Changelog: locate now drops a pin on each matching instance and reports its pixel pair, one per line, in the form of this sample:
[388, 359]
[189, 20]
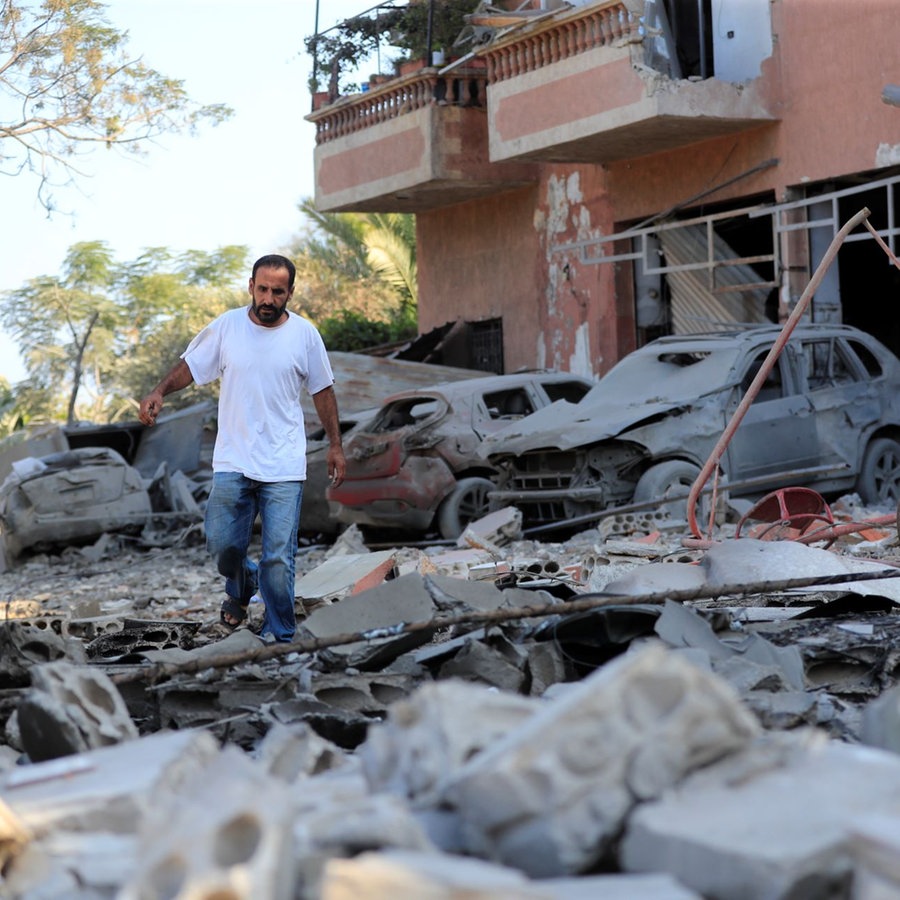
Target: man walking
[264, 355]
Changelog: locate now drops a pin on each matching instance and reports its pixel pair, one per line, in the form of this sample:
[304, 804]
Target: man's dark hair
[275, 261]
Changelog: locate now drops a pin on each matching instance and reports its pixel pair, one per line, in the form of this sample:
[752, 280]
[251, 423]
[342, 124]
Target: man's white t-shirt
[263, 371]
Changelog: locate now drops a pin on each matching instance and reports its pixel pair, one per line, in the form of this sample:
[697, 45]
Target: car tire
[879, 476]
[673, 477]
[465, 503]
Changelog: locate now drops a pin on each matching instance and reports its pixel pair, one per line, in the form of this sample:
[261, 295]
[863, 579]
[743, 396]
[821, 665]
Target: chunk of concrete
[655, 577]
[427, 738]
[766, 824]
[875, 848]
[344, 574]
[494, 530]
[398, 873]
[67, 864]
[551, 795]
[71, 709]
[292, 752]
[227, 833]
[338, 818]
[404, 599]
[680, 626]
[107, 789]
[496, 663]
[880, 725]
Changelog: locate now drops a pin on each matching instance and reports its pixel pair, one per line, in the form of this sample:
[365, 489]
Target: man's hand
[150, 407]
[178, 377]
[337, 465]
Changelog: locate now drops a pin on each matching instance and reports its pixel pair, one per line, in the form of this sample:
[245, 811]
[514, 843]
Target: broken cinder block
[551, 795]
[70, 709]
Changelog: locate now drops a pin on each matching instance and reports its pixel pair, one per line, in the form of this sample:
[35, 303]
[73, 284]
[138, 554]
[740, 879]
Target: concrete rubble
[622, 714]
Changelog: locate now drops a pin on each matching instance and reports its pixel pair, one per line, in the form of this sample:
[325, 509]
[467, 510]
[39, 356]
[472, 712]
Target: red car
[415, 467]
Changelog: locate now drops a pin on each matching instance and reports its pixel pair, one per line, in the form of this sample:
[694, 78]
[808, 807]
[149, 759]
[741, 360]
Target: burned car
[415, 465]
[827, 417]
[70, 497]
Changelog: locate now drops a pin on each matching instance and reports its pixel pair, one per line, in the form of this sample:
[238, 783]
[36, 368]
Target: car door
[777, 436]
[844, 398]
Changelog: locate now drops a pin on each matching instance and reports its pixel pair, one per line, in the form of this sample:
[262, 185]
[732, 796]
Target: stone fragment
[875, 848]
[343, 574]
[655, 577]
[550, 796]
[428, 737]
[546, 666]
[680, 626]
[71, 709]
[403, 599]
[107, 789]
[398, 873]
[880, 726]
[296, 751]
[338, 818]
[494, 530]
[66, 864]
[496, 663]
[228, 833]
[774, 822]
[31, 642]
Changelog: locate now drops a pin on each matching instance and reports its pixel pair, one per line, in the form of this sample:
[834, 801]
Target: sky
[237, 183]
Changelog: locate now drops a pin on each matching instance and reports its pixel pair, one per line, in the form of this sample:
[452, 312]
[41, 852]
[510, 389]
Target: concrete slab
[105, 789]
[775, 822]
[338, 576]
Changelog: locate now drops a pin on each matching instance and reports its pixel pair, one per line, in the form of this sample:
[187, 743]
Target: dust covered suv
[827, 417]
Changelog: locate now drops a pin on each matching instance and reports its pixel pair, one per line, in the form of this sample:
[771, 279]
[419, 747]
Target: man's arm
[179, 377]
[326, 407]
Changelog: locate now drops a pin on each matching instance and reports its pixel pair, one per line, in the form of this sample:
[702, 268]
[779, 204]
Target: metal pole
[429, 32]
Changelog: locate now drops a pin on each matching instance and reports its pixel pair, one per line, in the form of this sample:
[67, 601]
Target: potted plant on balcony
[416, 29]
[428, 27]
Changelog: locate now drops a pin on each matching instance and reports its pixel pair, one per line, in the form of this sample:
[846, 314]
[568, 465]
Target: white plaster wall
[742, 38]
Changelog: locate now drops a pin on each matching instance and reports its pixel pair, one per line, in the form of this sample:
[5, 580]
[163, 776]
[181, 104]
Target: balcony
[414, 143]
[586, 85]
[593, 83]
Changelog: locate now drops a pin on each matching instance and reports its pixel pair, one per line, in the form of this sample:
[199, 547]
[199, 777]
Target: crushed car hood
[564, 425]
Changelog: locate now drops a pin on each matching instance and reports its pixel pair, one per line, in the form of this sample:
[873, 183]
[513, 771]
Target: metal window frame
[592, 251]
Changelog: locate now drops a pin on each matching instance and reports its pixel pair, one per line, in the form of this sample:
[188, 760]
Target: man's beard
[268, 312]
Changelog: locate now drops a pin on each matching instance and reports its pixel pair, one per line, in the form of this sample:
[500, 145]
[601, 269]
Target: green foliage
[70, 84]
[350, 330]
[345, 47]
[355, 268]
[99, 336]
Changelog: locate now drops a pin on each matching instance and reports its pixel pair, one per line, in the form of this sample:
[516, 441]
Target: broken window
[772, 388]
[508, 404]
[405, 413]
[826, 365]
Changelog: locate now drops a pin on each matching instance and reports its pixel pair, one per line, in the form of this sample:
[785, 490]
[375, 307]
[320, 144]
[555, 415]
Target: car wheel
[672, 478]
[879, 477]
[465, 503]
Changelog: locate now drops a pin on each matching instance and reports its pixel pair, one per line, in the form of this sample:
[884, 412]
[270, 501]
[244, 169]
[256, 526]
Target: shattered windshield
[672, 373]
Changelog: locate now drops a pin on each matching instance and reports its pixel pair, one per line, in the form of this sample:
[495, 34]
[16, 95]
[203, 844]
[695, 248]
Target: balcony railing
[462, 86]
[553, 40]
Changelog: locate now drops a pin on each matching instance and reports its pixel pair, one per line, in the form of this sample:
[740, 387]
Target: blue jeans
[231, 511]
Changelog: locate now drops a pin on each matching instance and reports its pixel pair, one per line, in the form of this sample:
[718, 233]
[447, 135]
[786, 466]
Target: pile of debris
[619, 715]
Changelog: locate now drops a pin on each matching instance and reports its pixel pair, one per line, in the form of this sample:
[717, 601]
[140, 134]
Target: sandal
[231, 607]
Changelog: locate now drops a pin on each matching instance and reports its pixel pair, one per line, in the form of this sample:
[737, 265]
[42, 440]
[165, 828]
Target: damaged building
[591, 175]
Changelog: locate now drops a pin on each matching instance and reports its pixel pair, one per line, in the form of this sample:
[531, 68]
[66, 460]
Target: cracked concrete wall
[500, 258]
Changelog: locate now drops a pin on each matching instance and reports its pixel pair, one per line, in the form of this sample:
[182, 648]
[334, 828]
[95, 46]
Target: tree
[68, 83]
[63, 325]
[356, 276]
[107, 331]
